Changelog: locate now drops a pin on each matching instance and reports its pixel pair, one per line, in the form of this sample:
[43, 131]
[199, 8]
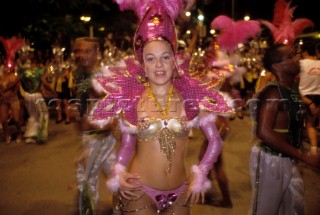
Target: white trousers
[37, 124]
[278, 188]
[99, 154]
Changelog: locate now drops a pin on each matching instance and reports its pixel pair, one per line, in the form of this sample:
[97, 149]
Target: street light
[200, 17]
[86, 19]
[201, 27]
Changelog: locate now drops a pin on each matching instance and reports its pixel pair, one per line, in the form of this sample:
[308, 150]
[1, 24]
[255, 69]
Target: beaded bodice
[166, 130]
[150, 128]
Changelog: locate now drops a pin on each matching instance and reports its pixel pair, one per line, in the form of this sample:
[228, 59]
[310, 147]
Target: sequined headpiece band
[155, 25]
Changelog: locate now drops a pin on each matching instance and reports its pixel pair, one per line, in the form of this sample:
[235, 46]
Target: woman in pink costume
[156, 104]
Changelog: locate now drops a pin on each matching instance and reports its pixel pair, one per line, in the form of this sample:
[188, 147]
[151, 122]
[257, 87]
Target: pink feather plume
[173, 7]
[232, 33]
[283, 29]
[11, 45]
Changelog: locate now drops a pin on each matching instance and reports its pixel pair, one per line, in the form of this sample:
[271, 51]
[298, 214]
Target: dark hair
[94, 40]
[272, 55]
[309, 47]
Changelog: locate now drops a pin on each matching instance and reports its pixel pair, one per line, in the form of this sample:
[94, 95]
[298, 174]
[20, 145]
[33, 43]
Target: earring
[180, 72]
[143, 80]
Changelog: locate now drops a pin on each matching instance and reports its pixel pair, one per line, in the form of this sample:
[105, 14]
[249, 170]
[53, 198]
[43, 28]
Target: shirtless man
[279, 120]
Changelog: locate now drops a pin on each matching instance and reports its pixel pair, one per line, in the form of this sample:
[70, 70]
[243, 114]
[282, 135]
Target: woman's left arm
[199, 182]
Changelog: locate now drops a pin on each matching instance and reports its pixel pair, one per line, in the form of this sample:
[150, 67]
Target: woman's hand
[128, 185]
[191, 196]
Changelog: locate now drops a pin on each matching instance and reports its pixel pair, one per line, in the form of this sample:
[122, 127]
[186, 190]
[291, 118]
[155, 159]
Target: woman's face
[158, 60]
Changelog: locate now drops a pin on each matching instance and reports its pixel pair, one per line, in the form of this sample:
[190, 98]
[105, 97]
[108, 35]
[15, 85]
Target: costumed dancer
[33, 82]
[9, 89]
[59, 71]
[221, 72]
[278, 114]
[156, 103]
[97, 144]
[231, 34]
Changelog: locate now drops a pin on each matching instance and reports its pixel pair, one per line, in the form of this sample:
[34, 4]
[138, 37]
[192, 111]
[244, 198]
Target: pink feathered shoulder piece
[124, 89]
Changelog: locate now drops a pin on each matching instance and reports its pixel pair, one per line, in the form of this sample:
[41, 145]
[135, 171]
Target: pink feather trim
[193, 123]
[209, 117]
[125, 126]
[173, 7]
[113, 183]
[202, 182]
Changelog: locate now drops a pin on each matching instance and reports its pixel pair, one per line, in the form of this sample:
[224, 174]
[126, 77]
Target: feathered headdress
[11, 45]
[156, 21]
[283, 29]
[232, 33]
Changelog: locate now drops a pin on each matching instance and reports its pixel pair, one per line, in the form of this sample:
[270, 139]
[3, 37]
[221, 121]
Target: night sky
[15, 12]
[261, 9]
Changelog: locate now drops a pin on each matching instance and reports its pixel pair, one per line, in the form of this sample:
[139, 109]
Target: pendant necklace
[165, 136]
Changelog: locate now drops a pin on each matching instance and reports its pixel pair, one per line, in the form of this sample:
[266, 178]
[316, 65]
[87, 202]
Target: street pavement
[40, 179]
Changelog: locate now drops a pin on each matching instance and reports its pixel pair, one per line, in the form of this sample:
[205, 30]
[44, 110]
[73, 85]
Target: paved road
[40, 179]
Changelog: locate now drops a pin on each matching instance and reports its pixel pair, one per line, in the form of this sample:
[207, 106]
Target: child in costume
[157, 103]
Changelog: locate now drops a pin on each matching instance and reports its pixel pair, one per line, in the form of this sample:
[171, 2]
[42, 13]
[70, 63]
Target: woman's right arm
[120, 176]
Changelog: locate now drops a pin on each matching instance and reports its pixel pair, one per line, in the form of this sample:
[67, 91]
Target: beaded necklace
[164, 112]
[165, 136]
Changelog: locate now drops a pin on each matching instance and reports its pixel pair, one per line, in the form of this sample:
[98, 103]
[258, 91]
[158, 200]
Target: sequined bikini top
[167, 131]
[150, 128]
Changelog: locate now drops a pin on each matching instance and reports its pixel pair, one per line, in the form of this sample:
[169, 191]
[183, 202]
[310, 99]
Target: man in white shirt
[309, 86]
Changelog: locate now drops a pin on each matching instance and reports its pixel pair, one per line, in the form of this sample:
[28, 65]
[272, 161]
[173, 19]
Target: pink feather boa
[202, 182]
[113, 183]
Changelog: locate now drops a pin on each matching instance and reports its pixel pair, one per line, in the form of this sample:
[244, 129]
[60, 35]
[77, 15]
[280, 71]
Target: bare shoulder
[269, 92]
[142, 105]
[268, 97]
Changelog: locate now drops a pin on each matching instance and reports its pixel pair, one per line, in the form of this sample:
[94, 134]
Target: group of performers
[156, 101]
[25, 90]
[152, 100]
